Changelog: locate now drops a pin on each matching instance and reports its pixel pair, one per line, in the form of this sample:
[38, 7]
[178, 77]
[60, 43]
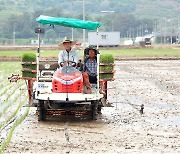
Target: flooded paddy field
[120, 129]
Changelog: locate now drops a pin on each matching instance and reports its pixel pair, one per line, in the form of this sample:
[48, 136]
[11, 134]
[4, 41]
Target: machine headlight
[46, 66]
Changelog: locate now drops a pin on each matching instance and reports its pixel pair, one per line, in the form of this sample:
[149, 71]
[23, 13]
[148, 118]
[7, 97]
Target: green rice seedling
[27, 58]
[107, 60]
[9, 103]
[6, 89]
[2, 84]
[106, 68]
[13, 91]
[106, 76]
[15, 124]
[20, 104]
[29, 66]
[28, 74]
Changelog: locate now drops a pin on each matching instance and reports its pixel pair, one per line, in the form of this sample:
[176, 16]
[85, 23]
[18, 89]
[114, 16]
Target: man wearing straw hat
[68, 54]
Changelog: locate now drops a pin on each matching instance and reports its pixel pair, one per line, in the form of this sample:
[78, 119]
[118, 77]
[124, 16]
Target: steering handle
[73, 64]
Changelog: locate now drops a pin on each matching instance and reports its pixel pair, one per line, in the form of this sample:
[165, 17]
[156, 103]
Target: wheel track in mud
[67, 137]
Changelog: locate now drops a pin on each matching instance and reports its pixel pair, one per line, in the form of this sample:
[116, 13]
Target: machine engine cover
[67, 80]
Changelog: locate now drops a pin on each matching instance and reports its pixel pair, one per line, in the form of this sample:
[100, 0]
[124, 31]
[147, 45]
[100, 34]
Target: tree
[50, 35]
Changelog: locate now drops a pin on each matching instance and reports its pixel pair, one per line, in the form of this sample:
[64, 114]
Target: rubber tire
[94, 106]
[41, 110]
[99, 108]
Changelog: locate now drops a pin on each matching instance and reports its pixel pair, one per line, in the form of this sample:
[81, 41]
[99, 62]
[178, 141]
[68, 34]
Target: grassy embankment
[115, 53]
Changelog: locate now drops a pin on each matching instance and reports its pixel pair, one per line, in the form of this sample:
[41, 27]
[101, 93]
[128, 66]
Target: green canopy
[67, 22]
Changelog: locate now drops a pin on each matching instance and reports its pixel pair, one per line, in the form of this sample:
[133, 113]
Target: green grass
[142, 52]
[20, 53]
[115, 53]
[9, 68]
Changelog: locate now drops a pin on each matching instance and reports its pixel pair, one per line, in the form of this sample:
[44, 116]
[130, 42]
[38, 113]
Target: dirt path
[120, 129]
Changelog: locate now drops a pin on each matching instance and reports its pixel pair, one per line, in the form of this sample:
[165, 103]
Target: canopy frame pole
[72, 34]
[98, 58]
[84, 31]
[37, 56]
[97, 38]
[37, 61]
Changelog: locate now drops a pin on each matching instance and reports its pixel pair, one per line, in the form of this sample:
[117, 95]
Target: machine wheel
[99, 109]
[94, 106]
[41, 111]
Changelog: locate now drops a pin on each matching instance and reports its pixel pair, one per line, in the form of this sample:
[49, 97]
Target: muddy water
[120, 129]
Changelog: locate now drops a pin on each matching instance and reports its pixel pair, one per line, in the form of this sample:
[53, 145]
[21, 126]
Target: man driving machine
[68, 54]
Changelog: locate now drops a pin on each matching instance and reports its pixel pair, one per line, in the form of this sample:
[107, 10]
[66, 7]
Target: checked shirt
[91, 67]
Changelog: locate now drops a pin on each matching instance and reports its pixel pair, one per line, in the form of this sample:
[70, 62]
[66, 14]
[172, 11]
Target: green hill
[139, 8]
[130, 18]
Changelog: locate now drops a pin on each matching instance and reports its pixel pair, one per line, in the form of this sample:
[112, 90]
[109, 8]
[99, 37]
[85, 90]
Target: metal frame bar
[98, 59]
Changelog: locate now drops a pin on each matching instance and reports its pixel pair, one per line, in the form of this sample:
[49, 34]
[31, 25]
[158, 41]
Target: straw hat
[66, 40]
